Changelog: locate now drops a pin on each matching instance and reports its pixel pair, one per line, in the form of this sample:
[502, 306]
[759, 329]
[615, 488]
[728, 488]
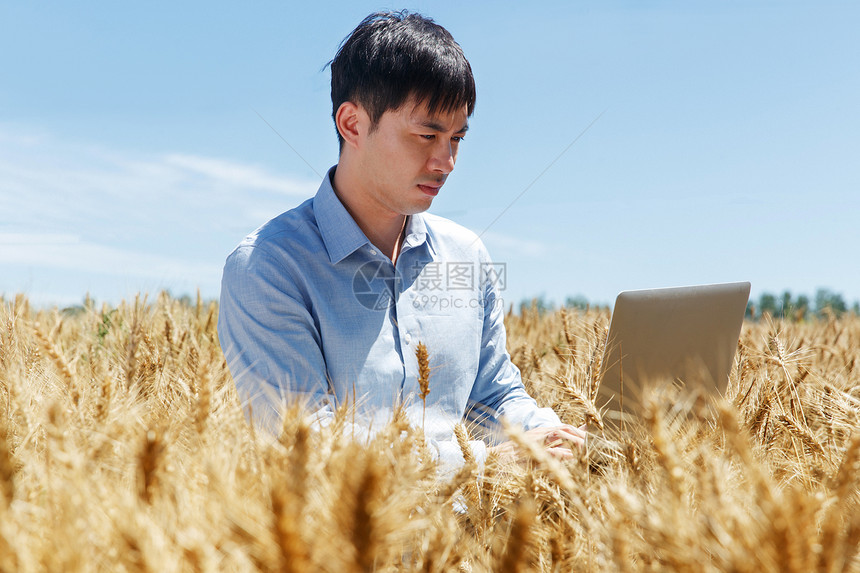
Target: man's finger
[554, 443]
[572, 434]
[562, 453]
[580, 431]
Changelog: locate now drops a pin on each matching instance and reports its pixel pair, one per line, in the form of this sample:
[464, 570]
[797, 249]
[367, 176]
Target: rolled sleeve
[498, 392]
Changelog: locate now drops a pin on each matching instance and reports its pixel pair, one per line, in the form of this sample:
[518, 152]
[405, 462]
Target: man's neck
[385, 230]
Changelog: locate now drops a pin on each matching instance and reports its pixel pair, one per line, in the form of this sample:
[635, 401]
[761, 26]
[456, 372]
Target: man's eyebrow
[436, 126]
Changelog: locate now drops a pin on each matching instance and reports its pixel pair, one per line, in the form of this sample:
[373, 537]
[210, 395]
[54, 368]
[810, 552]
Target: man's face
[407, 157]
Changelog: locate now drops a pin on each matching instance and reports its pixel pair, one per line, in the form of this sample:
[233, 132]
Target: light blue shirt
[311, 309]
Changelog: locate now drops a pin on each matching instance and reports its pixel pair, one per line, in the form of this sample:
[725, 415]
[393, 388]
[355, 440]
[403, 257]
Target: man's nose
[444, 157]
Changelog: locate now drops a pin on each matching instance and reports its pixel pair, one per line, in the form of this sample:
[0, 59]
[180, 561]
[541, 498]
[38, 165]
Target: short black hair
[393, 56]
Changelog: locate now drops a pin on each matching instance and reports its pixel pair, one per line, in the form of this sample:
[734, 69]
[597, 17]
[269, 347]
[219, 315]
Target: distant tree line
[786, 306]
[825, 303]
[542, 305]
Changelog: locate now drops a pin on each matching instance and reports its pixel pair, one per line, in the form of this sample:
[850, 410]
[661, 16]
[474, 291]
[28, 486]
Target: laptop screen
[684, 335]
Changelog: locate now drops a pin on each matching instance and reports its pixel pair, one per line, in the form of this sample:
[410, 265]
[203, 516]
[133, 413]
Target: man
[328, 301]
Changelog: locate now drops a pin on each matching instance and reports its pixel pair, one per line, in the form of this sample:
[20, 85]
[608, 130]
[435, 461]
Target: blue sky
[133, 156]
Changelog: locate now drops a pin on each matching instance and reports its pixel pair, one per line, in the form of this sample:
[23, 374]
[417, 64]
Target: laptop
[685, 336]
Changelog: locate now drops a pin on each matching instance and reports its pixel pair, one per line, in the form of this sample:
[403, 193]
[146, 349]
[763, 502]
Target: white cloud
[240, 175]
[58, 251]
[8, 240]
[22, 139]
[52, 185]
[165, 219]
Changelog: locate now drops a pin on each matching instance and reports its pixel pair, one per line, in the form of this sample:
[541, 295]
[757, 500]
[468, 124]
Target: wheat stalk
[423, 375]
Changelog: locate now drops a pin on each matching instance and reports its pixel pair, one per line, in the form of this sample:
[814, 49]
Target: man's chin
[419, 206]
[415, 209]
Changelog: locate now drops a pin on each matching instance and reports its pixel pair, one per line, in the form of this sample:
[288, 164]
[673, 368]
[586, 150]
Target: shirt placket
[407, 319]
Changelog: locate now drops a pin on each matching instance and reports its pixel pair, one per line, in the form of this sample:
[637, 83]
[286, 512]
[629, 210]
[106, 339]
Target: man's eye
[428, 137]
[458, 138]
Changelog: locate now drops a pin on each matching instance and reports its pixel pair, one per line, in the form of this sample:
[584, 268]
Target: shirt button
[407, 338]
[372, 251]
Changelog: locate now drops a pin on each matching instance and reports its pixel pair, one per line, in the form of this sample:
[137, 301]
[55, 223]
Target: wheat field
[123, 448]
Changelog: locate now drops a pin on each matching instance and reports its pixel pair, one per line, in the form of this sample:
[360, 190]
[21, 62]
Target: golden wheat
[123, 448]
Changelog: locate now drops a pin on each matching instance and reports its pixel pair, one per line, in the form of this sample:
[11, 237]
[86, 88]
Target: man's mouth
[431, 189]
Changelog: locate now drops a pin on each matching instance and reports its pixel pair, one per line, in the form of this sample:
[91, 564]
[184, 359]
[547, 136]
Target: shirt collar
[417, 233]
[341, 234]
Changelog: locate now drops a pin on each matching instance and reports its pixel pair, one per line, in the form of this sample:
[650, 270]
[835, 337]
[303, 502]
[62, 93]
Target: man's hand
[558, 441]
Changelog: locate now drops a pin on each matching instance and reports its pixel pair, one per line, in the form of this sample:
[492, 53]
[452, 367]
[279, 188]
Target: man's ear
[350, 119]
